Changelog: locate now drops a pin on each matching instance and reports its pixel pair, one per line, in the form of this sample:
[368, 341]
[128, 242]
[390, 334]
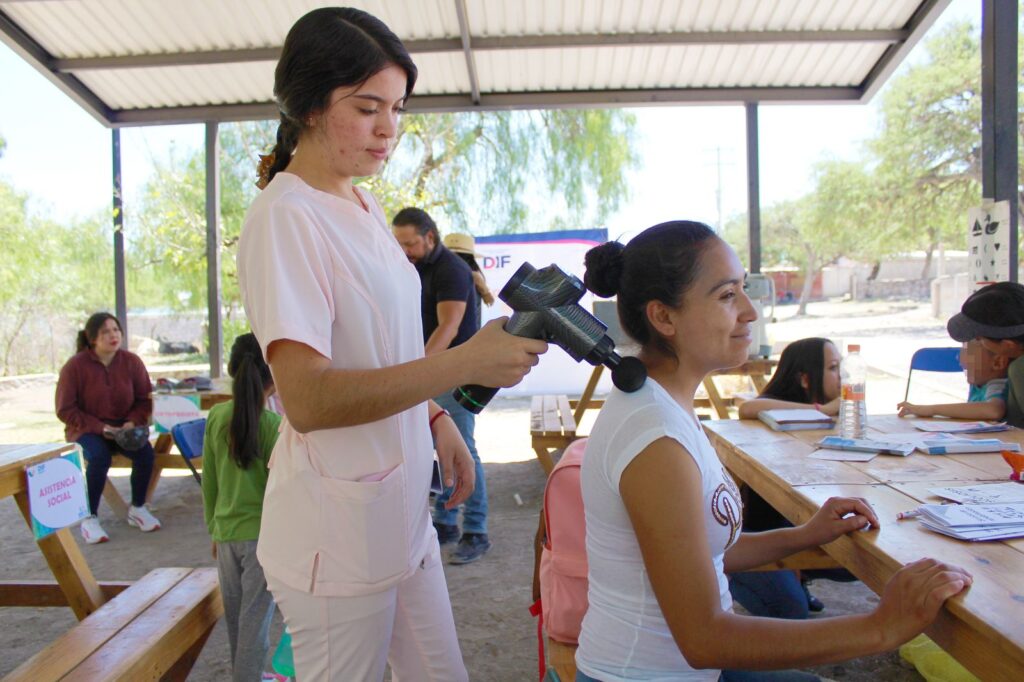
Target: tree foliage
[497, 172]
[47, 269]
[913, 185]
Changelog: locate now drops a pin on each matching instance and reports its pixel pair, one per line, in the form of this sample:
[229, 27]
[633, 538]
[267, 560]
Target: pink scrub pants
[350, 639]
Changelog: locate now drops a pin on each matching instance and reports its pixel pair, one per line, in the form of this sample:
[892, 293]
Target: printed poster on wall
[500, 256]
[988, 243]
[56, 493]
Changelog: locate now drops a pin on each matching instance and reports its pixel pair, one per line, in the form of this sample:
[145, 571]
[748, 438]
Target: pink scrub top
[346, 509]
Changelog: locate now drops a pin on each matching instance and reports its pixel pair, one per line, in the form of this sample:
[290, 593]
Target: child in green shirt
[240, 435]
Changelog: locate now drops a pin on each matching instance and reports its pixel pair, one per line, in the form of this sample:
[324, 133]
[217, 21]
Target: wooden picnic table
[554, 419]
[982, 628]
[153, 628]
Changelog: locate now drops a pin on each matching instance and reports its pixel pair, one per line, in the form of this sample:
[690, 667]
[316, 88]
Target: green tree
[928, 148]
[167, 225]
[815, 230]
[484, 171]
[48, 271]
[493, 172]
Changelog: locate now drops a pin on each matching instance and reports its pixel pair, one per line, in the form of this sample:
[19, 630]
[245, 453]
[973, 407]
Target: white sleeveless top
[625, 636]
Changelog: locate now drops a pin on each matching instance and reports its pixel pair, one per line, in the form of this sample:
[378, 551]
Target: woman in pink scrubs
[346, 540]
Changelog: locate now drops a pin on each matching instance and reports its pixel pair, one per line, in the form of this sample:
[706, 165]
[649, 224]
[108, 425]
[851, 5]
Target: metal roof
[137, 62]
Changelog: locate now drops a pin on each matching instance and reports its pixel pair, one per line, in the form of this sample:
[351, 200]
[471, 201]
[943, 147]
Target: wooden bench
[552, 427]
[163, 459]
[153, 630]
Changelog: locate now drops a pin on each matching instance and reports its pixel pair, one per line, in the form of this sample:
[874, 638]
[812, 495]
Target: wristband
[433, 419]
[817, 406]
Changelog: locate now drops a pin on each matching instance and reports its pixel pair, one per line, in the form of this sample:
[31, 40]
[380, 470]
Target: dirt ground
[490, 598]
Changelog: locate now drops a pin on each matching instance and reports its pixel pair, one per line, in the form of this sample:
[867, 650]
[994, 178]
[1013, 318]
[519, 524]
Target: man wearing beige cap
[450, 317]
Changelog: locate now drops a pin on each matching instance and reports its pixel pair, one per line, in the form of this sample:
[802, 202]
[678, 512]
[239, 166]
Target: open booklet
[974, 521]
[796, 419]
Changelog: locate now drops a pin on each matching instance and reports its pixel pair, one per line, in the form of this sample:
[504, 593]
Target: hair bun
[604, 265]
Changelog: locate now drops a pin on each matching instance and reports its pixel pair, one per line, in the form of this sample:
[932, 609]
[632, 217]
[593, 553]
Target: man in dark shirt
[450, 317]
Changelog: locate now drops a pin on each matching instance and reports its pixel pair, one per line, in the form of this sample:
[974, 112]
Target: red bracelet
[434, 418]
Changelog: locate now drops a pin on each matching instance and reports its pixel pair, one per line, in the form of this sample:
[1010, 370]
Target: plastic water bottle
[853, 412]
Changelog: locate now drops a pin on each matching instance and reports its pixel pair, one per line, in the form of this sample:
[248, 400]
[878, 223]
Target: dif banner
[500, 256]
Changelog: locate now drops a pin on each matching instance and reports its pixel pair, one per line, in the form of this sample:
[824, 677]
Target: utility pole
[719, 163]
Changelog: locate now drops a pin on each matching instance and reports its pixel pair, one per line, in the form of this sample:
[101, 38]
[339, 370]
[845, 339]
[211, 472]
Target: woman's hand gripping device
[545, 306]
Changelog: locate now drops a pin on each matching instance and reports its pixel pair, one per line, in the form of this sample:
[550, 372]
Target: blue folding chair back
[188, 436]
[933, 360]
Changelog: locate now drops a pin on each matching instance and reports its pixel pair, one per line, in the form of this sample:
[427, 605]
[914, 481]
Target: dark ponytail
[326, 49]
[251, 379]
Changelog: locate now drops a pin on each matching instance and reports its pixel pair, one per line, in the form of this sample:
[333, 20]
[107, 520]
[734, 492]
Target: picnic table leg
[181, 668]
[544, 457]
[114, 499]
[588, 393]
[161, 447]
[759, 381]
[721, 409]
[67, 565]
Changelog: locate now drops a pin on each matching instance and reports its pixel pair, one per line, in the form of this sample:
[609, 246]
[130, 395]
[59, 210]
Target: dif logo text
[496, 262]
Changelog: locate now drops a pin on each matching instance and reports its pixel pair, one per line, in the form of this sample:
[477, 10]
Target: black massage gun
[545, 306]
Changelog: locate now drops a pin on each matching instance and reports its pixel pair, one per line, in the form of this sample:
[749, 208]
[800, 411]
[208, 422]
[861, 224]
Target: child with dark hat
[994, 317]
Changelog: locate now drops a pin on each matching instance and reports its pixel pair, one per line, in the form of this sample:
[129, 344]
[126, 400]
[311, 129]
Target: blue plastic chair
[188, 436]
[933, 360]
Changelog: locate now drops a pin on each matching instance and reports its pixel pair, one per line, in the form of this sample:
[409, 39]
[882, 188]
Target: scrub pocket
[364, 529]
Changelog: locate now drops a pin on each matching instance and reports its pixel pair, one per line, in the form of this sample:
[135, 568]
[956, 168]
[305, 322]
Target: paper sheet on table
[842, 455]
[987, 493]
[959, 426]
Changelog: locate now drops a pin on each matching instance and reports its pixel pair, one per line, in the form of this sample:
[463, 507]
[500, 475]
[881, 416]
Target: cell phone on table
[435, 479]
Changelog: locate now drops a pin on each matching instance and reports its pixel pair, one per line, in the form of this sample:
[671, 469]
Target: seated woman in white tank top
[664, 517]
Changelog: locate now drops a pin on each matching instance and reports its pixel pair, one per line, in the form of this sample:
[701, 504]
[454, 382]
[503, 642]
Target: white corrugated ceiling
[150, 61]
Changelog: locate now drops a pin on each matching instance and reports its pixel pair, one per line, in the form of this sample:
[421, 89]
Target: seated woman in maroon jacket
[102, 390]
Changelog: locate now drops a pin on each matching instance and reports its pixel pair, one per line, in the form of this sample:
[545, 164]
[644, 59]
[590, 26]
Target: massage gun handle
[474, 397]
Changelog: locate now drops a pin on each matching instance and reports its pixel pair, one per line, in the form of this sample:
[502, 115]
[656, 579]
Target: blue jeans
[474, 510]
[771, 594]
[741, 676]
[98, 453]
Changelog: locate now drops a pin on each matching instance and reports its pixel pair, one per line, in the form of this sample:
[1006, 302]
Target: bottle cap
[853, 348]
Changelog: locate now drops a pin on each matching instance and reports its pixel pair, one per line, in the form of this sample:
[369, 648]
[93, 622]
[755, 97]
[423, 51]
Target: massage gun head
[546, 305]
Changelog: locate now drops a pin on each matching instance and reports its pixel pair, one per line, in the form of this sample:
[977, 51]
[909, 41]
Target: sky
[60, 155]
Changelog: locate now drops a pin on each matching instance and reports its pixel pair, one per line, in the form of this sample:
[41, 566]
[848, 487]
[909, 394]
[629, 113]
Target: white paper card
[990, 493]
[842, 455]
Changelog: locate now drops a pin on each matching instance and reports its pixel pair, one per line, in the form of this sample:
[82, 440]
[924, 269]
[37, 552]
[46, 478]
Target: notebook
[796, 419]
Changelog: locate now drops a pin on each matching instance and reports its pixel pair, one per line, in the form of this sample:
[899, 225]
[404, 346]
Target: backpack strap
[537, 612]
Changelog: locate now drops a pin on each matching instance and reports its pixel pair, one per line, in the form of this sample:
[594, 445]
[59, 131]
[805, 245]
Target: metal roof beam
[269, 54]
[32, 52]
[578, 99]
[467, 50]
[927, 12]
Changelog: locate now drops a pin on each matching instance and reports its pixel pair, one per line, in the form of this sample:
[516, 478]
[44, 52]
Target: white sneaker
[142, 519]
[92, 531]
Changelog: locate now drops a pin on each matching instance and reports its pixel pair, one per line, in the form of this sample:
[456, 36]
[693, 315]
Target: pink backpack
[563, 561]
